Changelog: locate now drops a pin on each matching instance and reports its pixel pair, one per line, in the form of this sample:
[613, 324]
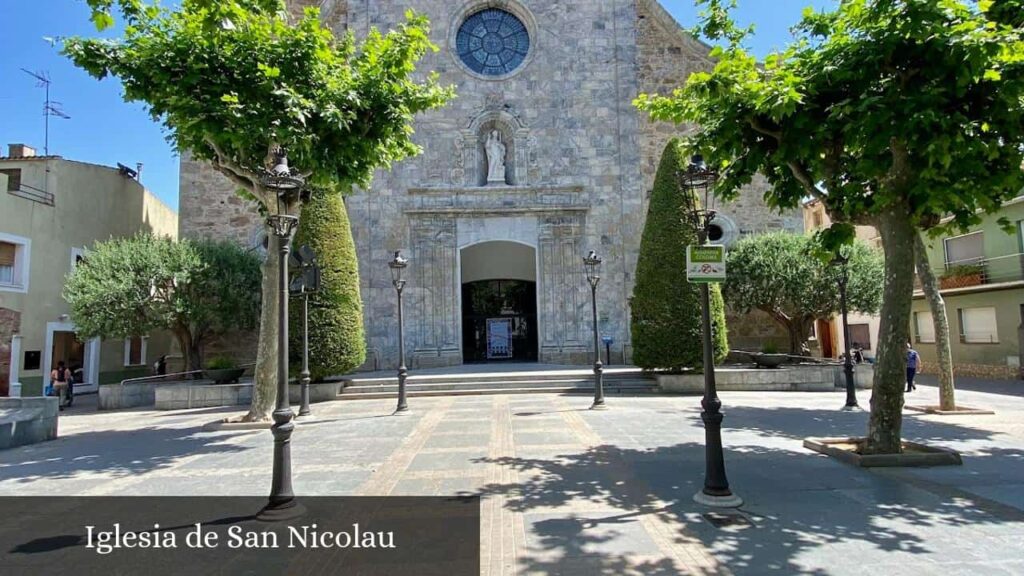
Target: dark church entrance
[499, 321]
[499, 302]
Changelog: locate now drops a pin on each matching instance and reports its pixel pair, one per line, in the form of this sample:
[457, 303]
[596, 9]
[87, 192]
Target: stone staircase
[579, 381]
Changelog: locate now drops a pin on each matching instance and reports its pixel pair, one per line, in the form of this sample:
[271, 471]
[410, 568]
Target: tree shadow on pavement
[113, 453]
[614, 510]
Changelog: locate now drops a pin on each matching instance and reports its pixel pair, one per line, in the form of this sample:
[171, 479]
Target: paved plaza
[570, 491]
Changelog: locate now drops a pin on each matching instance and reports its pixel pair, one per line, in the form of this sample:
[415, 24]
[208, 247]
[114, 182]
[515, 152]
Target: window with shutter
[978, 325]
[924, 327]
[8, 252]
[968, 249]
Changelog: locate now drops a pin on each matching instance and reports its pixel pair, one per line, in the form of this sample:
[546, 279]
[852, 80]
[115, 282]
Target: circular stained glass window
[492, 42]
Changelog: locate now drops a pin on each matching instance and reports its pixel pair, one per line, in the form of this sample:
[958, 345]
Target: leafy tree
[337, 343]
[665, 308]
[194, 289]
[894, 113]
[781, 275]
[233, 80]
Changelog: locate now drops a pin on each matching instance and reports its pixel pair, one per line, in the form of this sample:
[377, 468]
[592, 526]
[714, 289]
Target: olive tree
[893, 113]
[193, 289]
[235, 80]
[782, 275]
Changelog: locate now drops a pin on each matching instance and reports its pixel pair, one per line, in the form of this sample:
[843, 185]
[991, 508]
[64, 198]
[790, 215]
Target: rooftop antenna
[50, 107]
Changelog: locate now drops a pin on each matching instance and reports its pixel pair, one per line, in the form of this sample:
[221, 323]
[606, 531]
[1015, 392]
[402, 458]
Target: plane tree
[234, 81]
[893, 113]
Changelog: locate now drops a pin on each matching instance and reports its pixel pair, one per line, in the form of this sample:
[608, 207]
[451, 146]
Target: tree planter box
[790, 378]
[961, 281]
[863, 376]
[224, 375]
[27, 420]
[960, 411]
[770, 360]
[914, 454]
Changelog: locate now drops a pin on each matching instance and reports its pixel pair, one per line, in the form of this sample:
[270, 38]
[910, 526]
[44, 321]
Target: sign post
[705, 264]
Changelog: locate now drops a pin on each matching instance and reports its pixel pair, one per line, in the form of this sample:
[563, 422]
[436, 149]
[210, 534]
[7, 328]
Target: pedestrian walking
[913, 361]
[59, 376]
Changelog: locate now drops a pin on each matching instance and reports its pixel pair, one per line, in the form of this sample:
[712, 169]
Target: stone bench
[863, 376]
[810, 378]
[182, 396]
[27, 420]
[136, 394]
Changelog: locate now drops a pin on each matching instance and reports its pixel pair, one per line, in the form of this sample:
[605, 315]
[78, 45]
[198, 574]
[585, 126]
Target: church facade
[540, 159]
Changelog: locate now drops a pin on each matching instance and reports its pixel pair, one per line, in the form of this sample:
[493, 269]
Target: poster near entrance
[499, 338]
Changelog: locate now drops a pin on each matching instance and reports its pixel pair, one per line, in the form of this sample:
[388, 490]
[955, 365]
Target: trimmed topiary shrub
[665, 308]
[337, 343]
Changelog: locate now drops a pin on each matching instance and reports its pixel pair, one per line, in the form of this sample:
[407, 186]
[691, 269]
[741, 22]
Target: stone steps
[575, 375]
[498, 383]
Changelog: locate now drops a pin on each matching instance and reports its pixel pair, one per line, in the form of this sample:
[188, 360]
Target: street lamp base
[308, 417]
[599, 407]
[402, 412]
[730, 501]
[281, 512]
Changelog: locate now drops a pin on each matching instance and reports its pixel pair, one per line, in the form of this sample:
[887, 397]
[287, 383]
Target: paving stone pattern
[570, 491]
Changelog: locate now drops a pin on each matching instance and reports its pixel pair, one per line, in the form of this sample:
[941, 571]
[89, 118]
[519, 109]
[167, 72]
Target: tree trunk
[264, 389]
[795, 337]
[884, 427]
[184, 338]
[947, 392]
[195, 355]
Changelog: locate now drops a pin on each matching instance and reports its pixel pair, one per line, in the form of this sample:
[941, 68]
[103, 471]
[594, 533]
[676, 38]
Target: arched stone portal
[499, 302]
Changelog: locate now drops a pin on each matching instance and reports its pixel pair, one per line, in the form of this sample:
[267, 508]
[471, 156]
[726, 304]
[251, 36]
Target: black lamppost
[306, 283]
[843, 262]
[697, 181]
[397, 265]
[287, 186]
[592, 264]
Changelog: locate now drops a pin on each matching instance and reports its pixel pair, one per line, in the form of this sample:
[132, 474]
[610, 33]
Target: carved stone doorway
[499, 302]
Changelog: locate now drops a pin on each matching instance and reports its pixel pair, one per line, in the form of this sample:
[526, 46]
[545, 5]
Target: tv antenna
[50, 107]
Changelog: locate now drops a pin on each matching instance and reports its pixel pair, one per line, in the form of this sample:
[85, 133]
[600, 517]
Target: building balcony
[979, 274]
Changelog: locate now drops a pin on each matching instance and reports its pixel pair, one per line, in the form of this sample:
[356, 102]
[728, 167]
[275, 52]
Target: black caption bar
[419, 536]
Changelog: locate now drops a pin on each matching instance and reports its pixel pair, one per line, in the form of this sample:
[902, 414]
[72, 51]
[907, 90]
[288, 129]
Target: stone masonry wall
[581, 161]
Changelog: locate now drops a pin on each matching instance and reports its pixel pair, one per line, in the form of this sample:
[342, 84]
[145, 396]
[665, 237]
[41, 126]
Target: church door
[499, 321]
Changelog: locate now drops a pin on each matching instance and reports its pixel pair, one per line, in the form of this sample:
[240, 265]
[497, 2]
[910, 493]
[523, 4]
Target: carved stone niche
[471, 157]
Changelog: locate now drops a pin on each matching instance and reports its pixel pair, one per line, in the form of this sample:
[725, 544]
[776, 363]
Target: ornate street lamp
[592, 264]
[397, 265]
[306, 283]
[287, 186]
[698, 181]
[843, 262]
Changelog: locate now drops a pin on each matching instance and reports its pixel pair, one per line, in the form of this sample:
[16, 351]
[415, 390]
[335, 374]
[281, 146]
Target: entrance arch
[499, 302]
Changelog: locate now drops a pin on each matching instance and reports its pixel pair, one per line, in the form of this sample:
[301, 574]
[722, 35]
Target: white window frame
[917, 327]
[142, 352]
[945, 248]
[22, 263]
[965, 338]
[75, 253]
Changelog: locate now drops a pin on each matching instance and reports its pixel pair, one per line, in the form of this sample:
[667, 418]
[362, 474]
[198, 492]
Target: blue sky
[103, 129]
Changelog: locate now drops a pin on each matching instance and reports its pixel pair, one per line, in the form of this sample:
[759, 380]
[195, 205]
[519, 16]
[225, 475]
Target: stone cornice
[496, 210]
[494, 190]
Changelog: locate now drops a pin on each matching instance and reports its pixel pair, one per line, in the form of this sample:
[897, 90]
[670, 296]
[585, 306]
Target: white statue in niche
[495, 158]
